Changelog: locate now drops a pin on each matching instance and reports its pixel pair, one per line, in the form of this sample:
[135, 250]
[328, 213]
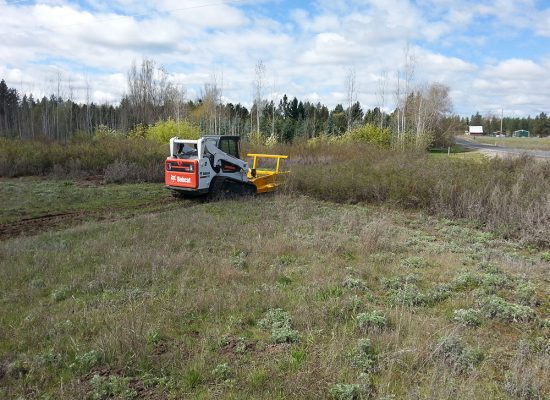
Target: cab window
[229, 146]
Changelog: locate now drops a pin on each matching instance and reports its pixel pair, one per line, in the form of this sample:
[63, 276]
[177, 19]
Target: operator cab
[228, 144]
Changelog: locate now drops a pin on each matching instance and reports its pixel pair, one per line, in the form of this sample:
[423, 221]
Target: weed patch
[111, 387]
[415, 262]
[364, 357]
[280, 324]
[223, 373]
[371, 321]
[496, 307]
[347, 391]
[467, 317]
[355, 284]
[460, 357]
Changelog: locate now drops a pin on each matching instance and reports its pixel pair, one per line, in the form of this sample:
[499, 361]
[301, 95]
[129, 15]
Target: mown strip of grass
[25, 198]
[531, 143]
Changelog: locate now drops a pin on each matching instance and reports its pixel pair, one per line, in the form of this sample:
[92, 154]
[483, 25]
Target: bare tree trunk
[381, 95]
[351, 90]
[259, 82]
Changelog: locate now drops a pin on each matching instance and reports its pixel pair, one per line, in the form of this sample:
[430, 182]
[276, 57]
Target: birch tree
[258, 92]
[351, 95]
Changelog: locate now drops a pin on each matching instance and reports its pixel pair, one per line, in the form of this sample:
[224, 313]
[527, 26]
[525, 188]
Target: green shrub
[83, 156]
[398, 282]
[364, 357]
[86, 361]
[222, 372]
[526, 294]
[490, 268]
[369, 133]
[154, 337]
[111, 387]
[437, 294]
[163, 131]
[466, 279]
[467, 317]
[415, 262]
[60, 293]
[347, 391]
[460, 357]
[284, 334]
[491, 281]
[371, 320]
[496, 307]
[238, 259]
[407, 295]
[354, 283]
[280, 324]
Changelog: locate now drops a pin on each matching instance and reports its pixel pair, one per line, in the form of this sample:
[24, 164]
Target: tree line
[537, 126]
[422, 115]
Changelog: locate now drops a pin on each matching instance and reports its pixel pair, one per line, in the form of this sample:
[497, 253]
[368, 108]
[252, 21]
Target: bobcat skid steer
[211, 166]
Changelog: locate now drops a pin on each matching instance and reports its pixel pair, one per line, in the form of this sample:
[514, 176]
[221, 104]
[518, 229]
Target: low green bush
[364, 356]
[85, 361]
[163, 131]
[415, 262]
[111, 387]
[460, 357]
[496, 307]
[369, 133]
[347, 391]
[222, 372]
[467, 317]
[280, 324]
[371, 320]
[354, 283]
[526, 294]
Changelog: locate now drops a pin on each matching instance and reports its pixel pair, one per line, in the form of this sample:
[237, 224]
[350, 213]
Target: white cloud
[307, 53]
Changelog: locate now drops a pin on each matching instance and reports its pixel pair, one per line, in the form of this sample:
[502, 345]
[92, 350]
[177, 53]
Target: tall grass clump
[120, 158]
[509, 196]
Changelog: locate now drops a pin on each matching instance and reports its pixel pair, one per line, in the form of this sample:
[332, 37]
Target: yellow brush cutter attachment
[266, 180]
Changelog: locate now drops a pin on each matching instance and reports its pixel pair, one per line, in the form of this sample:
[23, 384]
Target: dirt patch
[35, 225]
[90, 181]
[235, 345]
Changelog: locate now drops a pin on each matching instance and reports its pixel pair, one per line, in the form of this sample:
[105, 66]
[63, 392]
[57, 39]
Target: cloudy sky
[492, 54]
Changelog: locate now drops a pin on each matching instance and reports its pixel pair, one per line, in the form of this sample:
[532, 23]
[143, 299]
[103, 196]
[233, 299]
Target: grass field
[268, 298]
[516, 143]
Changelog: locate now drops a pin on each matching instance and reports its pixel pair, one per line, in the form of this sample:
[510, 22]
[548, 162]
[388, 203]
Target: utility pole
[501, 117]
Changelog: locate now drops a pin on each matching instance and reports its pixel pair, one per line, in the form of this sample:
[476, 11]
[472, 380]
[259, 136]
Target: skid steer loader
[211, 166]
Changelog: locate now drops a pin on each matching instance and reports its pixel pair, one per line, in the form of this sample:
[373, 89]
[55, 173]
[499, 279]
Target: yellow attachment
[266, 180]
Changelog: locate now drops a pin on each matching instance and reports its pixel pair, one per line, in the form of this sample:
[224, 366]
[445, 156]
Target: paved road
[502, 150]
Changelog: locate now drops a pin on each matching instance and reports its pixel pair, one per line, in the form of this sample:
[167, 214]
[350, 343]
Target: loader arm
[219, 155]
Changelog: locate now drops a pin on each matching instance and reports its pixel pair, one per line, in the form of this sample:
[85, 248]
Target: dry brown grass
[164, 298]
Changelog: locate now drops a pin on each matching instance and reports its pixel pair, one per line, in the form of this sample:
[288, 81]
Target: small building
[521, 133]
[475, 130]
